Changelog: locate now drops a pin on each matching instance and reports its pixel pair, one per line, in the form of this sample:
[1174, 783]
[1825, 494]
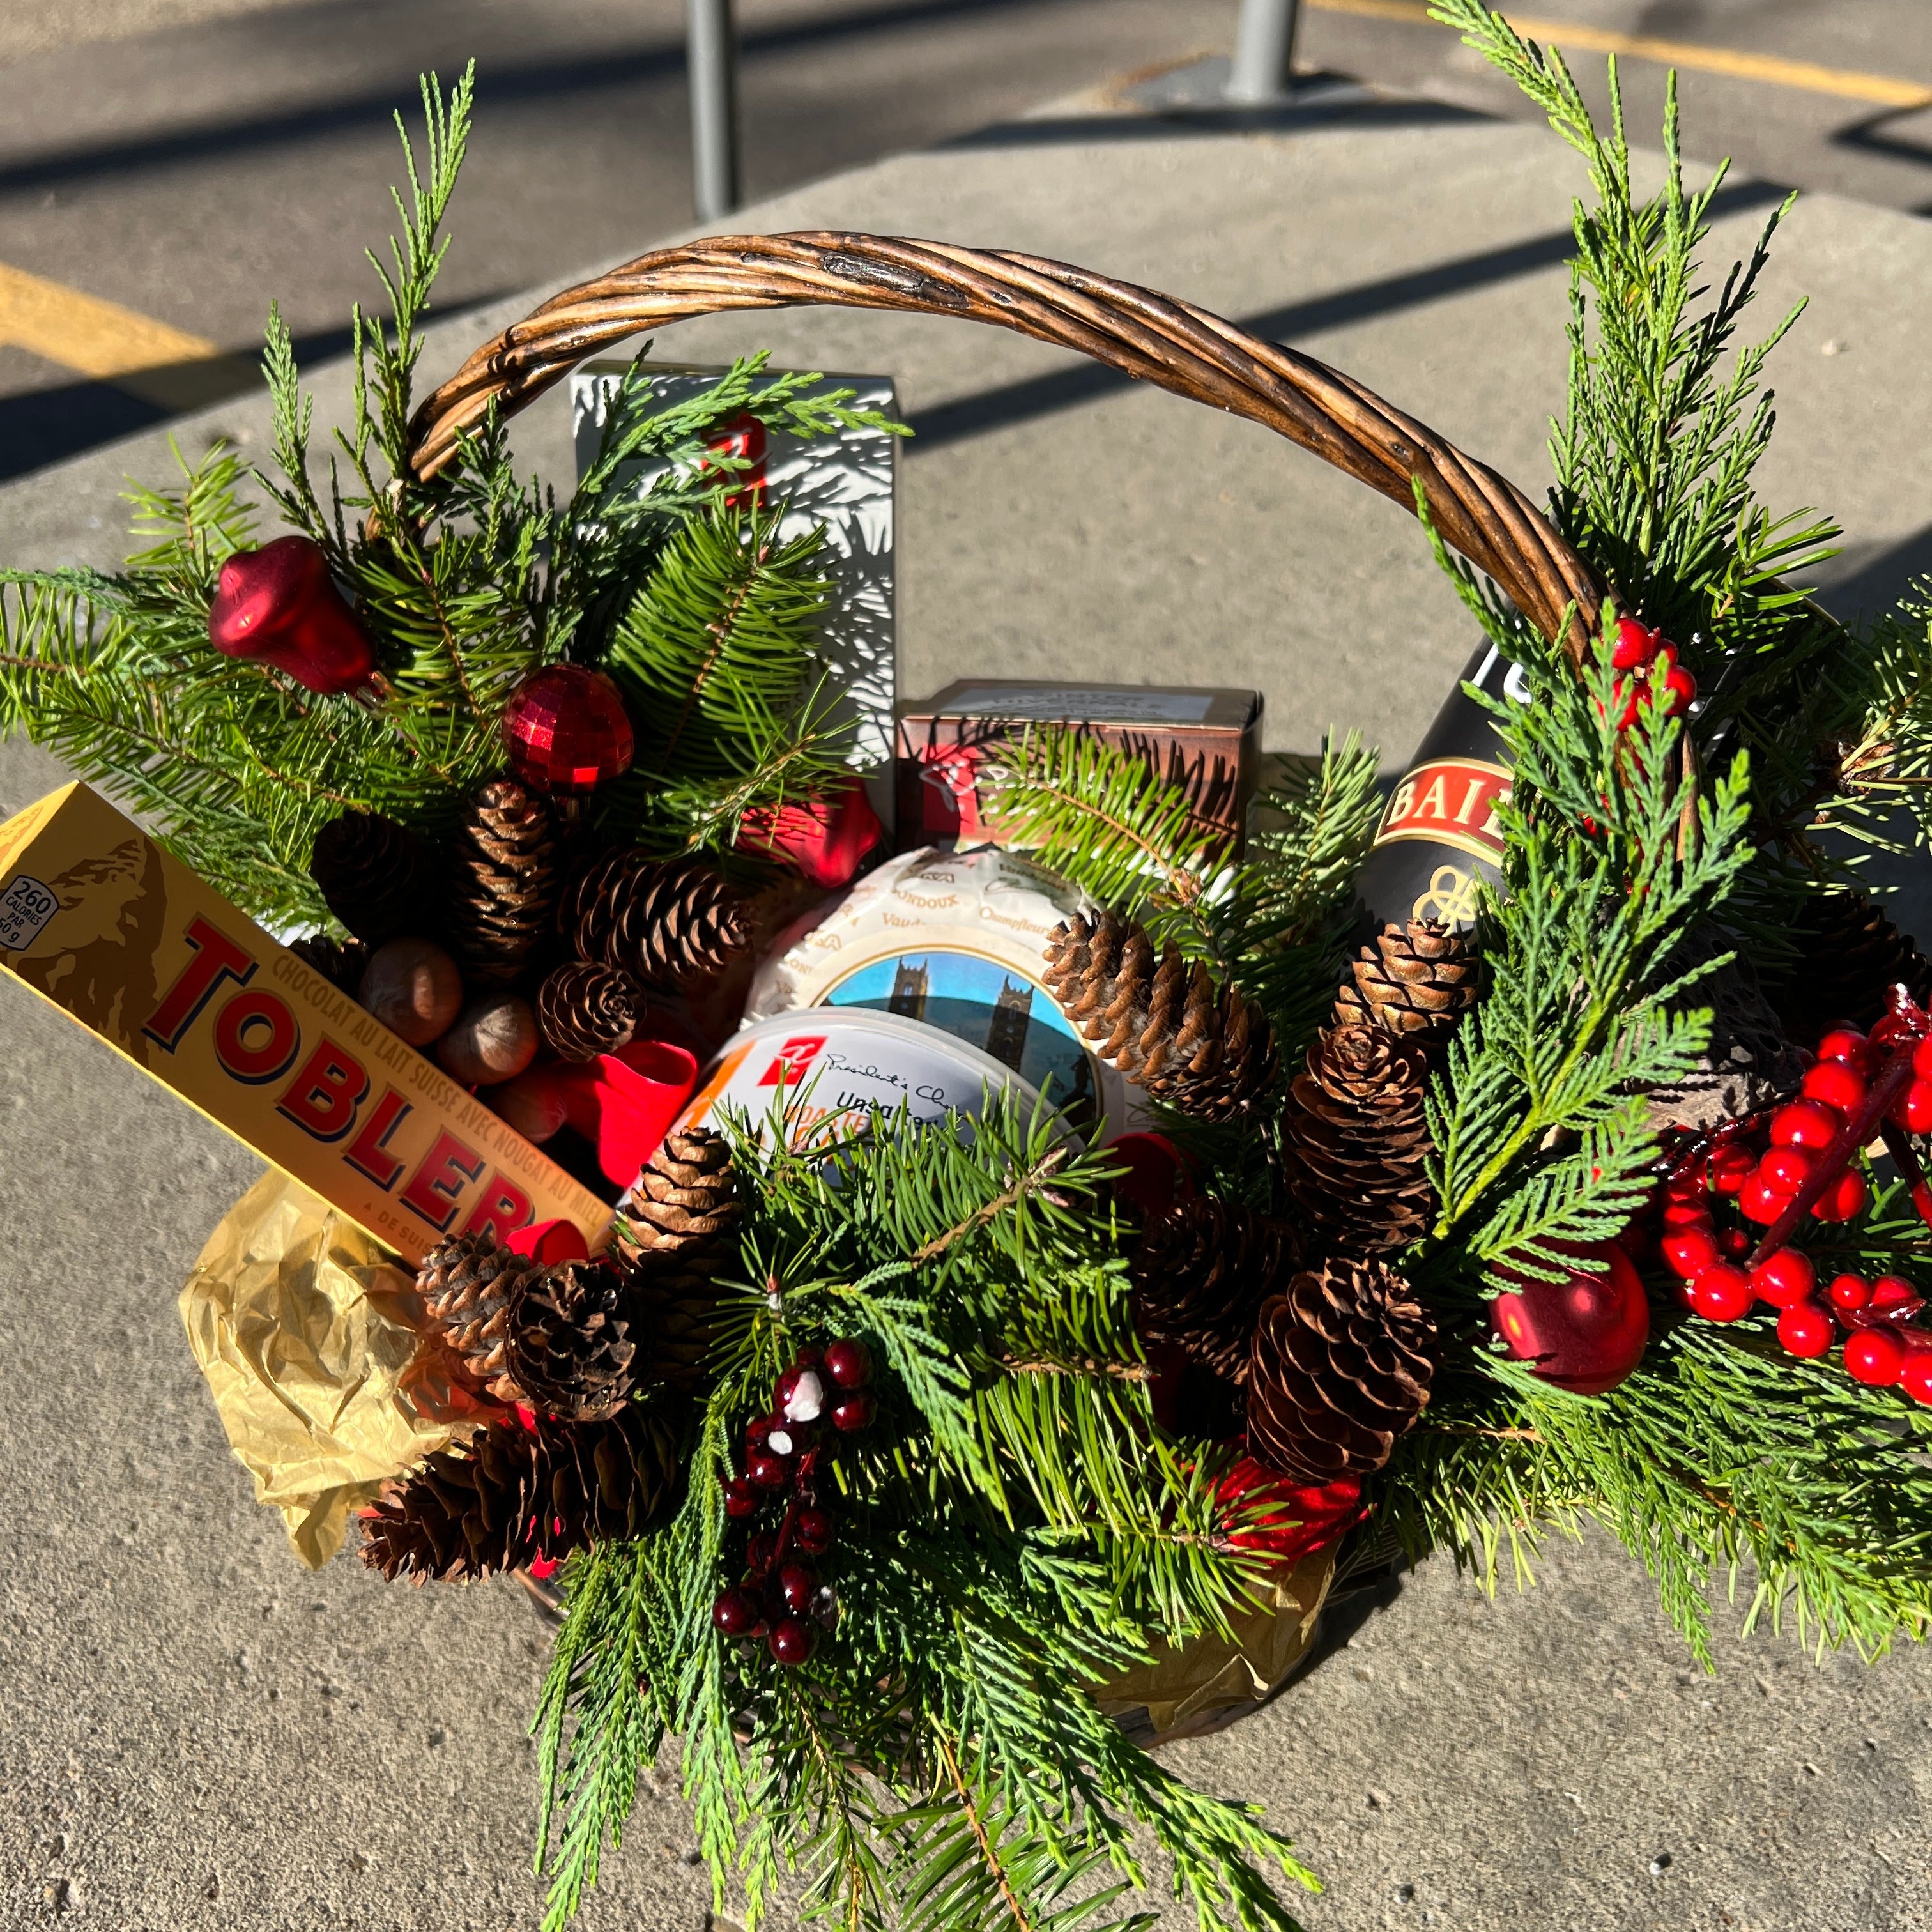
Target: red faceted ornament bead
[1846, 1197]
[1912, 1109]
[1785, 1278]
[811, 1531]
[281, 604]
[736, 1613]
[853, 1413]
[797, 1585]
[1805, 1123]
[1914, 1374]
[1690, 1251]
[1848, 1293]
[1805, 1329]
[1760, 1201]
[1585, 1334]
[1835, 1084]
[1722, 1293]
[792, 1639]
[849, 1364]
[566, 730]
[1875, 1357]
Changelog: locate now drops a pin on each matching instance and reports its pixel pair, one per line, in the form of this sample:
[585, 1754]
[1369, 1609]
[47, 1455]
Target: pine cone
[1341, 1367]
[1418, 979]
[674, 924]
[515, 1494]
[584, 1009]
[568, 1349]
[1850, 957]
[502, 886]
[376, 876]
[1210, 1053]
[339, 961]
[1355, 1140]
[1201, 1274]
[675, 1231]
[468, 1285]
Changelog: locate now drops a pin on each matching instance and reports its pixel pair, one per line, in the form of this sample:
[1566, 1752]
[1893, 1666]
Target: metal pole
[1264, 62]
[713, 57]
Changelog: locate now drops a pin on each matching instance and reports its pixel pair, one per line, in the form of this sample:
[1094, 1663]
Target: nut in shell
[492, 1040]
[413, 987]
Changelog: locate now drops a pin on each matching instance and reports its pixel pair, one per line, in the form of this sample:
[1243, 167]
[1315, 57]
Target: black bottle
[1439, 833]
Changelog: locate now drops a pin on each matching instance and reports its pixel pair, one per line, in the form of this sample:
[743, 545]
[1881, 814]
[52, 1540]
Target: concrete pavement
[200, 1734]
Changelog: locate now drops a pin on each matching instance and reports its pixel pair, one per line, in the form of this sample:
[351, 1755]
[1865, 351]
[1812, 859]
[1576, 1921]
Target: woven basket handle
[1147, 336]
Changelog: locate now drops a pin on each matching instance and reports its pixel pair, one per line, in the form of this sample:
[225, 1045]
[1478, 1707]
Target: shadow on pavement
[1879, 580]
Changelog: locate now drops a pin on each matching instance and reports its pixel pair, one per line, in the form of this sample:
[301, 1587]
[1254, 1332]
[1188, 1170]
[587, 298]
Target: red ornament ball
[279, 603]
[1875, 1357]
[566, 730]
[1585, 1334]
[793, 1640]
[1805, 1329]
[1637, 645]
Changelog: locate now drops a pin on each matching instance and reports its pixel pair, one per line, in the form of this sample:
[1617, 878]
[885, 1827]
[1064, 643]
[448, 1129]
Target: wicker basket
[1150, 337]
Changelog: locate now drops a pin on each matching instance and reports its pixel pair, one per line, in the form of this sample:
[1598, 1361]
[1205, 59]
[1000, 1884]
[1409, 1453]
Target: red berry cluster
[1637, 651]
[782, 1595]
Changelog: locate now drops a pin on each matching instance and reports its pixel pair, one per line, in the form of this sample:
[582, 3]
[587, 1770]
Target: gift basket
[1540, 1142]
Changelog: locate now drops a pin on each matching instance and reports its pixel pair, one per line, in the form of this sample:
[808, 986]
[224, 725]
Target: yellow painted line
[101, 339]
[1882, 90]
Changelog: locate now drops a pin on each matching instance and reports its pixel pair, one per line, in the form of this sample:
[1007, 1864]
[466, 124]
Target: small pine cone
[1201, 1274]
[468, 1285]
[683, 1202]
[1342, 1363]
[674, 924]
[1210, 1053]
[568, 1350]
[516, 1493]
[339, 961]
[375, 875]
[584, 1009]
[674, 1319]
[1354, 1141]
[1850, 957]
[1419, 980]
[503, 881]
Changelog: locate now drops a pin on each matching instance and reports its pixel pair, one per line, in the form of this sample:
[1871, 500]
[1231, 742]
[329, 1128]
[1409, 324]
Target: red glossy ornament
[849, 1364]
[797, 1585]
[1690, 1251]
[762, 1551]
[793, 1640]
[1846, 1196]
[566, 730]
[741, 1499]
[1848, 1292]
[1585, 1334]
[736, 1613]
[1636, 645]
[1835, 1084]
[1722, 1293]
[1805, 1329]
[279, 603]
[1912, 1109]
[811, 1531]
[1785, 1279]
[1760, 1201]
[1805, 1123]
[1852, 1048]
[826, 840]
[1875, 1357]
[853, 1413]
[1731, 1167]
[1914, 1374]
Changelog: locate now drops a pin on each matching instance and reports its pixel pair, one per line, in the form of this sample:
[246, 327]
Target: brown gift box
[1206, 741]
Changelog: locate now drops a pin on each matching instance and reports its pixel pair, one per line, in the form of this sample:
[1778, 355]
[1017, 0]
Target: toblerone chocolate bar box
[97, 918]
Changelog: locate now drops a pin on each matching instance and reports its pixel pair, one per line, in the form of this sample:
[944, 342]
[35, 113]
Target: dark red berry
[1805, 1123]
[1875, 1357]
[1848, 1292]
[1690, 1251]
[756, 1432]
[853, 1413]
[1805, 1329]
[793, 1640]
[736, 1613]
[811, 1531]
[1835, 1084]
[797, 1585]
[1636, 645]
[1760, 1201]
[1734, 1243]
[1731, 1167]
[1846, 1197]
[1722, 1293]
[849, 1364]
[762, 1551]
[800, 1395]
[741, 1499]
[1852, 1048]
[1785, 1278]
[767, 1471]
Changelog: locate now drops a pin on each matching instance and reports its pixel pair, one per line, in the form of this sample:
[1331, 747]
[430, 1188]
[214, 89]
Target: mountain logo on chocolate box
[92, 950]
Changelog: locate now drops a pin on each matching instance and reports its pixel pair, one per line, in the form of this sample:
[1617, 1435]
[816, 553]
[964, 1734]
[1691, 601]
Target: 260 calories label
[25, 907]
[1450, 802]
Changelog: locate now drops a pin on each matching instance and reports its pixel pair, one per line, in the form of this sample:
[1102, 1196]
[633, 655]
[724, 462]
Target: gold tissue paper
[306, 1329]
